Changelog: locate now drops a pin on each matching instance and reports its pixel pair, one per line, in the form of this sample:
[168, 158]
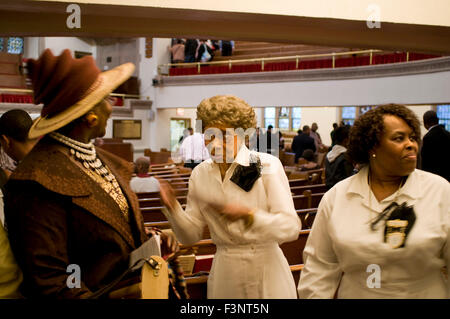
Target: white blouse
[341, 242]
[248, 262]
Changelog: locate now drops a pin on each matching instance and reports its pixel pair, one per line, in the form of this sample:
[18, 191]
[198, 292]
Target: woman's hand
[169, 243]
[168, 197]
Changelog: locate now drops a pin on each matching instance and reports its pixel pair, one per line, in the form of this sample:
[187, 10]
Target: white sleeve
[281, 222]
[187, 224]
[446, 248]
[321, 274]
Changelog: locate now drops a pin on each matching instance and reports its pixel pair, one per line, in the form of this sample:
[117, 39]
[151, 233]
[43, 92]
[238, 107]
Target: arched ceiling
[413, 25]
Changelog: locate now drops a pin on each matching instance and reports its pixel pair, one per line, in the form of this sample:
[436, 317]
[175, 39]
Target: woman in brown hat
[69, 203]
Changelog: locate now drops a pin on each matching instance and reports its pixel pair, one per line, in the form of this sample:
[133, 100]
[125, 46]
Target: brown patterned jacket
[57, 215]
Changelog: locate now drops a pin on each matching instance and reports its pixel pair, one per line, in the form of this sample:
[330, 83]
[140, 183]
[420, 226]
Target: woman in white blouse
[364, 243]
[245, 199]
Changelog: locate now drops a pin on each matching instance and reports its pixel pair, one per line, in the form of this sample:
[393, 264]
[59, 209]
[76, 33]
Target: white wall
[431, 88]
[31, 48]
[58, 44]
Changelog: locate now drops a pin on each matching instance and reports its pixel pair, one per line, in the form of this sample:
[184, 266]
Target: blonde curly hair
[227, 110]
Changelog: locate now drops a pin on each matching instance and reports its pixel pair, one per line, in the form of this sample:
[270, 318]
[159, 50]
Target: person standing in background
[333, 133]
[302, 142]
[316, 136]
[435, 150]
[193, 150]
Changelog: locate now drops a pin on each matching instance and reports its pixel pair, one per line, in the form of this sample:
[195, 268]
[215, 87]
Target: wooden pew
[307, 200]
[318, 188]
[156, 202]
[293, 251]
[155, 214]
[178, 192]
[170, 177]
[307, 217]
[298, 182]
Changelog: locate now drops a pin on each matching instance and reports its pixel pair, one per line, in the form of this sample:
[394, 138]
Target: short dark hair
[305, 128]
[366, 133]
[308, 155]
[269, 127]
[16, 124]
[341, 134]
[430, 118]
[335, 125]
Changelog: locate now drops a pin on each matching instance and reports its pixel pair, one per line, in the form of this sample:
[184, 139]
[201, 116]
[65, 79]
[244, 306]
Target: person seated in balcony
[204, 52]
[190, 50]
[143, 182]
[177, 51]
[227, 47]
[308, 156]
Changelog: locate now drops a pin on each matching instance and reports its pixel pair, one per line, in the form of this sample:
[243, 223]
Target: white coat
[248, 263]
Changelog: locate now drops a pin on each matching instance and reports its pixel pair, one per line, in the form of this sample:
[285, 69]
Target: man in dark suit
[302, 142]
[435, 146]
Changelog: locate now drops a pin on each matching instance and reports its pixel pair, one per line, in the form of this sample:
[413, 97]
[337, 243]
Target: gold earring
[91, 118]
[374, 155]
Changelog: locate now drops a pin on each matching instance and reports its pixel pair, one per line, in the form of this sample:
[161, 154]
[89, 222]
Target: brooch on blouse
[399, 221]
[246, 176]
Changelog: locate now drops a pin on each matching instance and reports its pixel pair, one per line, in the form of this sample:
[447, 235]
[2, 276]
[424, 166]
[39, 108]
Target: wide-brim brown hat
[69, 88]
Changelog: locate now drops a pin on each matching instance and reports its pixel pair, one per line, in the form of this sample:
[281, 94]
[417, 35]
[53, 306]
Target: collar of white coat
[359, 185]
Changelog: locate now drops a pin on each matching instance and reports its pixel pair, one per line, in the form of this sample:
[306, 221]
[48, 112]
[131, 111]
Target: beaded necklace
[85, 154]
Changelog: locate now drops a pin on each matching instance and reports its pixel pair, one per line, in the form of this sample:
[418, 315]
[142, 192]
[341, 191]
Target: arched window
[12, 45]
[443, 113]
[284, 118]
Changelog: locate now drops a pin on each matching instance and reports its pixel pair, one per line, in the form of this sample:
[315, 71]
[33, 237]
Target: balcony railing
[164, 69]
[11, 95]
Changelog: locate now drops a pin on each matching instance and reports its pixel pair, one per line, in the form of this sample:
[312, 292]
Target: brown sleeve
[37, 228]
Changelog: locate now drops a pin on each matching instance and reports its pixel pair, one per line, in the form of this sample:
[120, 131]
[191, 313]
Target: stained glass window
[443, 113]
[348, 114]
[296, 118]
[283, 124]
[1, 44]
[269, 116]
[15, 45]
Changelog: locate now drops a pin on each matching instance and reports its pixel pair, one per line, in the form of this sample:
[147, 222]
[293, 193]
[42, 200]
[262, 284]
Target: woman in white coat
[245, 199]
[384, 232]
